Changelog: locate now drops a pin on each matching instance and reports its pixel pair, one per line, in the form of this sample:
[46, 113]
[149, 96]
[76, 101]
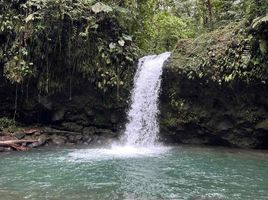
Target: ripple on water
[134, 173]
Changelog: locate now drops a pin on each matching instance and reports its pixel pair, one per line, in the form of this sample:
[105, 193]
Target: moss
[6, 123]
[224, 55]
[169, 120]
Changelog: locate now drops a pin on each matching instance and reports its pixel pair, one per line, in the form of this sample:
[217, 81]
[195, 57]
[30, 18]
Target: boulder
[34, 144]
[58, 140]
[71, 126]
[19, 135]
[58, 115]
[42, 139]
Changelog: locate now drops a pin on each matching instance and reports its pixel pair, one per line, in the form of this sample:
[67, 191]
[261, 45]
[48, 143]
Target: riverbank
[35, 137]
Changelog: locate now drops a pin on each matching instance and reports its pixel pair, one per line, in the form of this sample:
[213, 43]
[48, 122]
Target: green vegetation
[6, 123]
[52, 41]
[49, 46]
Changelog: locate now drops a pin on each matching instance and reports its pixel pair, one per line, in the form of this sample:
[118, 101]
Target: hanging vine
[57, 42]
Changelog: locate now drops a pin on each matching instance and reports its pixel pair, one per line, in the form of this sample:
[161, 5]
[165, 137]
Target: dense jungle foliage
[48, 43]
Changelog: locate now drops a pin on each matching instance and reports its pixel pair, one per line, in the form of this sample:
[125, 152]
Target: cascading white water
[142, 127]
[140, 137]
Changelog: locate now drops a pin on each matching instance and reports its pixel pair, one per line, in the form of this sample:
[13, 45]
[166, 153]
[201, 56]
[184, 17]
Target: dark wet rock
[78, 137]
[85, 137]
[80, 101]
[242, 142]
[200, 111]
[224, 125]
[24, 144]
[58, 140]
[28, 137]
[106, 132]
[46, 102]
[2, 149]
[19, 135]
[89, 130]
[34, 145]
[42, 139]
[58, 115]
[70, 144]
[80, 119]
[89, 112]
[37, 133]
[114, 118]
[72, 126]
[71, 138]
[195, 140]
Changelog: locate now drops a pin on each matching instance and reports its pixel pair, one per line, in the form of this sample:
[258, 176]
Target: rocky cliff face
[215, 91]
[201, 112]
[89, 117]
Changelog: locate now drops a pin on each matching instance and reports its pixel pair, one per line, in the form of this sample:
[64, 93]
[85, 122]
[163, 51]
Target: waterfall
[142, 128]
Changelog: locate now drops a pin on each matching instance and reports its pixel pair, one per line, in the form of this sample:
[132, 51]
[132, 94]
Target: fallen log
[56, 131]
[19, 148]
[15, 144]
[8, 142]
[30, 131]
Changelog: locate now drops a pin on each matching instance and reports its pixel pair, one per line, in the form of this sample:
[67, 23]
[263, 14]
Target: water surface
[191, 173]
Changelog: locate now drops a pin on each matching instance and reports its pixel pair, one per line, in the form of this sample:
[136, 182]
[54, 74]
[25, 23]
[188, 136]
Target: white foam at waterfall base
[116, 152]
[142, 128]
[141, 132]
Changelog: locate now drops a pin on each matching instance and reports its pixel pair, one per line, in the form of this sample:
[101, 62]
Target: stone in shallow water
[42, 139]
[33, 145]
